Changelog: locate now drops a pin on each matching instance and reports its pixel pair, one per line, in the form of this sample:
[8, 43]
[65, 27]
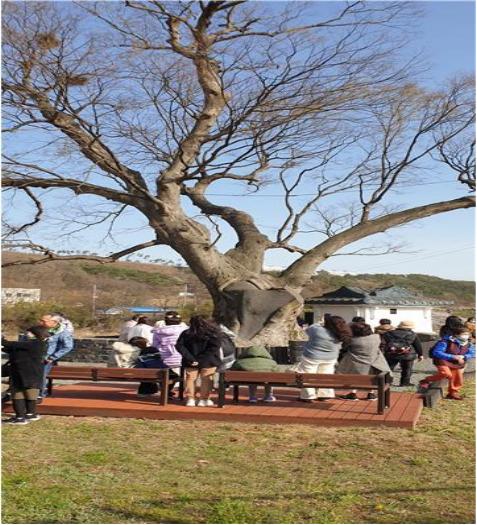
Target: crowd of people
[338, 347]
[333, 346]
[204, 348]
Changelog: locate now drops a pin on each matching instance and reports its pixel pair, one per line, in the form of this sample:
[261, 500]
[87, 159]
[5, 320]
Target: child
[27, 364]
[257, 359]
[450, 356]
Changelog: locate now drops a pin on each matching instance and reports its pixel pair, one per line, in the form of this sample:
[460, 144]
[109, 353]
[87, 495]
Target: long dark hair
[338, 327]
[139, 342]
[453, 323]
[360, 329]
[201, 328]
[40, 332]
[172, 318]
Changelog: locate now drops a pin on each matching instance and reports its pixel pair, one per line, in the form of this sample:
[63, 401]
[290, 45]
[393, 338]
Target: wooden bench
[86, 373]
[297, 380]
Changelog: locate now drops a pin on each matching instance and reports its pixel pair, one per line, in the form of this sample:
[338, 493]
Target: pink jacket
[164, 339]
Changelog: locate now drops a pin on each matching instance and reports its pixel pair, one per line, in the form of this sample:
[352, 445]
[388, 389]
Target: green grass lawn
[92, 470]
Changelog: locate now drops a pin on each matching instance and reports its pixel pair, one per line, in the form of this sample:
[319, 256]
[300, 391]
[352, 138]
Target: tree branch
[51, 256]
[304, 266]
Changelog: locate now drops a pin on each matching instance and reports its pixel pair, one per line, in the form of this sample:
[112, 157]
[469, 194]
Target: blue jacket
[321, 344]
[59, 344]
[439, 350]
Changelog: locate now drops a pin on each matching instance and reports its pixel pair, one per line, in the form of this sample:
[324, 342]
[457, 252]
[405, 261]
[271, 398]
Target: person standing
[141, 329]
[402, 346]
[126, 326]
[60, 343]
[470, 325]
[26, 373]
[68, 325]
[451, 323]
[165, 338]
[383, 327]
[200, 350]
[321, 352]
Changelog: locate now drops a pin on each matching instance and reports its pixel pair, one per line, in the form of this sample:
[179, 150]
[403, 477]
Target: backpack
[227, 346]
[228, 351]
[396, 347]
[431, 350]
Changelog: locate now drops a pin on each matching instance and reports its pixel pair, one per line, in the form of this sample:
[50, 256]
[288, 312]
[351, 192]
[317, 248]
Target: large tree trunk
[257, 314]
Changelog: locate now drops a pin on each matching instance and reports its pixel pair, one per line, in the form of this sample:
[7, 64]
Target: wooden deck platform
[120, 400]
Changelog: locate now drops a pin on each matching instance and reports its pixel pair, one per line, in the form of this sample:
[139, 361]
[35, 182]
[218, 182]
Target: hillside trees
[149, 105]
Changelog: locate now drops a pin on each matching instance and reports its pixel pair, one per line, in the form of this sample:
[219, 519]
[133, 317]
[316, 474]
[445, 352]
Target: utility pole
[93, 312]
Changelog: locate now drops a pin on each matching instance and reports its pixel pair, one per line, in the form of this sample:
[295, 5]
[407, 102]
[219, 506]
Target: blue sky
[446, 35]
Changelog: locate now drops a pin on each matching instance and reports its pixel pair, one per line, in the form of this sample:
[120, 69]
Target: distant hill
[129, 283]
[462, 293]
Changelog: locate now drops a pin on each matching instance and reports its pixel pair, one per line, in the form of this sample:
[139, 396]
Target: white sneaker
[190, 402]
[206, 403]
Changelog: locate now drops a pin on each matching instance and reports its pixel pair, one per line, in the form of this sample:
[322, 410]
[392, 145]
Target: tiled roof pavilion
[390, 295]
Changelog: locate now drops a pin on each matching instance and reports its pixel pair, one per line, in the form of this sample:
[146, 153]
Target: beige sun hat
[407, 325]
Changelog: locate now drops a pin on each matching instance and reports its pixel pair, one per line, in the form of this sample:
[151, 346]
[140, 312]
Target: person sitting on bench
[149, 357]
[256, 359]
[321, 352]
[364, 356]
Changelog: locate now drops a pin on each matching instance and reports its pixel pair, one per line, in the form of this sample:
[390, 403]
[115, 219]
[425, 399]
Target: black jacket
[405, 337]
[205, 351]
[26, 361]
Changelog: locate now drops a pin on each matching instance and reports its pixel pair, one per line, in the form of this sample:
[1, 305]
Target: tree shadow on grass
[169, 515]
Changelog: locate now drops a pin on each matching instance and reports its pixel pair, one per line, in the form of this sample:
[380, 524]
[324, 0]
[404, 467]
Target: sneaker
[6, 397]
[351, 397]
[269, 399]
[16, 421]
[371, 396]
[252, 400]
[456, 397]
[190, 402]
[205, 403]
[33, 417]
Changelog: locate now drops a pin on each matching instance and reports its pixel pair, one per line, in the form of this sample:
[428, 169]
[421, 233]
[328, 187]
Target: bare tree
[145, 106]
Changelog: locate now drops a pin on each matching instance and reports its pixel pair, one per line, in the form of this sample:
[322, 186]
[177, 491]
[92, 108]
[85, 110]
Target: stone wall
[94, 350]
[98, 350]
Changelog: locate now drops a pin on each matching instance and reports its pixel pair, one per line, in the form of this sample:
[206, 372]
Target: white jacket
[125, 328]
[123, 355]
[141, 330]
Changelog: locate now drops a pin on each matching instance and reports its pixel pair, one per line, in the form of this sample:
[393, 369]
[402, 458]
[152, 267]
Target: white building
[392, 302]
[16, 295]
